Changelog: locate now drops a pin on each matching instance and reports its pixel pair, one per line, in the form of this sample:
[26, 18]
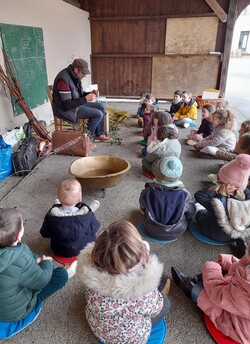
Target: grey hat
[168, 171]
[82, 65]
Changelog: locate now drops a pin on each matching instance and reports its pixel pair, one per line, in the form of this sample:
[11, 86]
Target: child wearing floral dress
[121, 282]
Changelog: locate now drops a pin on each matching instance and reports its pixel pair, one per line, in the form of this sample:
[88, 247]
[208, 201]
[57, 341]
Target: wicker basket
[201, 102]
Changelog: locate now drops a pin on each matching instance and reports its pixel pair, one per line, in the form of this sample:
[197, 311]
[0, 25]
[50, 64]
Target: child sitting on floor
[148, 105]
[186, 116]
[165, 202]
[223, 210]
[167, 144]
[205, 128]
[176, 103]
[121, 282]
[70, 223]
[222, 135]
[158, 119]
[242, 145]
[26, 280]
[222, 292]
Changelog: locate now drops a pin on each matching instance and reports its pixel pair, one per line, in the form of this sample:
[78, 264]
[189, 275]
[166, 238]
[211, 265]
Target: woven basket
[201, 102]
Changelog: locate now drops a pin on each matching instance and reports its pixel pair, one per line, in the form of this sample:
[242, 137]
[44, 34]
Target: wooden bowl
[99, 172]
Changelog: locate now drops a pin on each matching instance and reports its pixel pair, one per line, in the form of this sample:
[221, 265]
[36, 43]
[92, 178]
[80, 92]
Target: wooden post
[231, 19]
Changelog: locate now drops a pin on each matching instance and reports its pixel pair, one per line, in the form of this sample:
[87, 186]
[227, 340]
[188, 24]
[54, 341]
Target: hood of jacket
[236, 220]
[164, 204]
[132, 285]
[8, 255]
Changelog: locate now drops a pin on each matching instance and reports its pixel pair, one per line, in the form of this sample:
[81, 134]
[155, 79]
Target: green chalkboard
[24, 47]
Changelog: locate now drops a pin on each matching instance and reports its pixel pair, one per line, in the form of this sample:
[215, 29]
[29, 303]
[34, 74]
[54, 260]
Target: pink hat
[236, 172]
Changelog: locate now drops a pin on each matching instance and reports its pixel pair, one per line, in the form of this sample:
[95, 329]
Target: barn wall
[135, 42]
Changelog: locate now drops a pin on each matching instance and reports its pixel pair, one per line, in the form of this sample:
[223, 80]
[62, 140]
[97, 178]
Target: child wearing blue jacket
[165, 202]
[70, 223]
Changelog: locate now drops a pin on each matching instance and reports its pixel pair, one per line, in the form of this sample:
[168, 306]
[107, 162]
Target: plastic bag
[14, 137]
[6, 167]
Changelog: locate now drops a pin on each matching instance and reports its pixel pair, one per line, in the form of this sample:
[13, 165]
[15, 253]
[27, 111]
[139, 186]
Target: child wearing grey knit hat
[165, 203]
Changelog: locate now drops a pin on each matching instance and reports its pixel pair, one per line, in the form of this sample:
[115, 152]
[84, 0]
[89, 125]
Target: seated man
[187, 113]
[71, 102]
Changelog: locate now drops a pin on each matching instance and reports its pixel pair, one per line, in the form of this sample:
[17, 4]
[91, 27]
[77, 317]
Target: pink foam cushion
[216, 334]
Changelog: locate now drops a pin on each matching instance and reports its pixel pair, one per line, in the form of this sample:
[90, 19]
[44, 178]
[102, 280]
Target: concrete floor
[62, 319]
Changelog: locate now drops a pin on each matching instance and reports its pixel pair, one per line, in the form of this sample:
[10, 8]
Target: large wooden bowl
[99, 172]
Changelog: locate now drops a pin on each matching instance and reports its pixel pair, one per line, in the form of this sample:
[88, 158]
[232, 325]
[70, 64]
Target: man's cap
[82, 65]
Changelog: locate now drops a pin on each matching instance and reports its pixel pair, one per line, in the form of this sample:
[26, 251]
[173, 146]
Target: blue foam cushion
[142, 231]
[194, 229]
[157, 335]
[9, 329]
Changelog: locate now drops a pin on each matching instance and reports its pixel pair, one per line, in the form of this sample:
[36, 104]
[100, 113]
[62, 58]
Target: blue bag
[6, 167]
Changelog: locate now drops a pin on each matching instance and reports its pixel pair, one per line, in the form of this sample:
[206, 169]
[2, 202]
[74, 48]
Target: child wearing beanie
[225, 215]
[165, 202]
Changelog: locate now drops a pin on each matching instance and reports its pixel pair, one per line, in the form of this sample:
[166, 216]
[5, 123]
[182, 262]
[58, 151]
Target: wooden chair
[62, 124]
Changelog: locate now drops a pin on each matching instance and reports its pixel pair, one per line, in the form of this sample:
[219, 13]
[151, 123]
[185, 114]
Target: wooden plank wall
[128, 46]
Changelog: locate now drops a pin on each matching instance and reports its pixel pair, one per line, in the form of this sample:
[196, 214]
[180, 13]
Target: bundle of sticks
[10, 80]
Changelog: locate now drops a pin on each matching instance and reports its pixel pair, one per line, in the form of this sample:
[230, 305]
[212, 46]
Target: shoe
[193, 124]
[94, 205]
[191, 142]
[206, 156]
[92, 145]
[165, 291]
[239, 248]
[71, 270]
[102, 138]
[143, 142]
[186, 125]
[184, 282]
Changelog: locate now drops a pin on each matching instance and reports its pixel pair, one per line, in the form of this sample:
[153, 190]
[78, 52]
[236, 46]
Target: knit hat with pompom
[168, 171]
[236, 172]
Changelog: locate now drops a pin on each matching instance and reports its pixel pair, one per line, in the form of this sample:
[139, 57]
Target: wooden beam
[217, 10]
[232, 16]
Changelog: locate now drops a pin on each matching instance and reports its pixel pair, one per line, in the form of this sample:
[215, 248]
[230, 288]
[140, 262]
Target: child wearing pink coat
[222, 292]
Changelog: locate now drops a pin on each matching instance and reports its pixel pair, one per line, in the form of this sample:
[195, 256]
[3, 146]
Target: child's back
[23, 275]
[70, 223]
[165, 203]
[121, 280]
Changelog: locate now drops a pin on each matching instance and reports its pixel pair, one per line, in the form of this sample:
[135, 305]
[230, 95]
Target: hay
[117, 116]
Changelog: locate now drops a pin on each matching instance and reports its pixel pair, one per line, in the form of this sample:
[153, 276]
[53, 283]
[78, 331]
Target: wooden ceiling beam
[217, 10]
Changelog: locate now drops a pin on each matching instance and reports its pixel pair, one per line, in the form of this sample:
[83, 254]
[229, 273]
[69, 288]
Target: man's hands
[91, 97]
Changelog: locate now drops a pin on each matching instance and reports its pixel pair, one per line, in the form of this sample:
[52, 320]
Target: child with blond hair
[121, 280]
[70, 223]
[222, 135]
[222, 105]
[223, 210]
[242, 145]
